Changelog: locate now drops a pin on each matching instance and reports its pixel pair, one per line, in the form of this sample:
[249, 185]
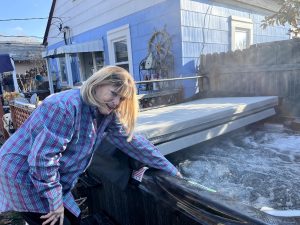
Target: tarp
[5, 63]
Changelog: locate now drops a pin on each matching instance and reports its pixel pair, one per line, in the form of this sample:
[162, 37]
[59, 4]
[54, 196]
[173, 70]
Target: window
[90, 62]
[241, 33]
[63, 70]
[99, 59]
[241, 37]
[121, 53]
[119, 47]
[87, 64]
[74, 61]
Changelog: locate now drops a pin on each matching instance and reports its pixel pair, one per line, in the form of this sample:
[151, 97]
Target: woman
[41, 162]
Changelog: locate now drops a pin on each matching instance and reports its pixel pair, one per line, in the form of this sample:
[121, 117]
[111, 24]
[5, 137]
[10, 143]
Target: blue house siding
[196, 27]
[146, 22]
[271, 33]
[206, 28]
[142, 25]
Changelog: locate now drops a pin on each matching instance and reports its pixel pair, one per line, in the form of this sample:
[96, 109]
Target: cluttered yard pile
[15, 111]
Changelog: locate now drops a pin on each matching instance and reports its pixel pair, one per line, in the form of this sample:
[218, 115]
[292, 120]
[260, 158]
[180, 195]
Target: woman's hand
[179, 175]
[54, 216]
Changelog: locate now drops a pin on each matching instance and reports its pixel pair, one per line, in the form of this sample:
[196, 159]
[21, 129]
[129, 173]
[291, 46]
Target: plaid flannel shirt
[41, 162]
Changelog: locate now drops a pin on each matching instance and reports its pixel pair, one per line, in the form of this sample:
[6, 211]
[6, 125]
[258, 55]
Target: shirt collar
[94, 111]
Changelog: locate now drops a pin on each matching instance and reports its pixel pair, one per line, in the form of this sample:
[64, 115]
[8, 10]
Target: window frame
[241, 23]
[115, 35]
[83, 75]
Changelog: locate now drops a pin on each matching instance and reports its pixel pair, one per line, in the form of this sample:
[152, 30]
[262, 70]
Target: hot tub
[161, 199]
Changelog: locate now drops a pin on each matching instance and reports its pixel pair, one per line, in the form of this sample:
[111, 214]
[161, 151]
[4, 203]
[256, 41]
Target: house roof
[270, 6]
[22, 51]
[45, 43]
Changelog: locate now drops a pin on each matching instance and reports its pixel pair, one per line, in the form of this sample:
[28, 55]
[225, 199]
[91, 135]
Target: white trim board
[190, 140]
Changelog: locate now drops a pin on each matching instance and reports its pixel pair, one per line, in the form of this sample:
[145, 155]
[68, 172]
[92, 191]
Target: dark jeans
[34, 218]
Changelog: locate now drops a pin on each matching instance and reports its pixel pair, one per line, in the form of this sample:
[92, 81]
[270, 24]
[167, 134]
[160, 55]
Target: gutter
[263, 6]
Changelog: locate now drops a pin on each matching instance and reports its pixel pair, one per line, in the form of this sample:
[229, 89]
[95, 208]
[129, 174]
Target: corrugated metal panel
[91, 46]
[22, 51]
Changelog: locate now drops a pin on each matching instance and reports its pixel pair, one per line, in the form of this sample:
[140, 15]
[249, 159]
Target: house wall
[82, 16]
[206, 28]
[195, 26]
[143, 17]
[22, 67]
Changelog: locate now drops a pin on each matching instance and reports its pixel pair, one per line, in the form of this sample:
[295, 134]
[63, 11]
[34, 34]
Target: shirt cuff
[173, 170]
[55, 203]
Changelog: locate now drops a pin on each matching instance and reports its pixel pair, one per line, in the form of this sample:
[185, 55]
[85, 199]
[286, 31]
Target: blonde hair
[117, 76]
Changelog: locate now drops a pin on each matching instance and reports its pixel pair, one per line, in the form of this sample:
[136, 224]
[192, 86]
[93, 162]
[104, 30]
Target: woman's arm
[139, 148]
[51, 128]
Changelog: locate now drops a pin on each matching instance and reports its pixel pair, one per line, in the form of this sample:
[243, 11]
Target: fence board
[264, 69]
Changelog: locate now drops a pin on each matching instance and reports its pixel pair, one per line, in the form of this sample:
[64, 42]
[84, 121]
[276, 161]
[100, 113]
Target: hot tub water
[259, 167]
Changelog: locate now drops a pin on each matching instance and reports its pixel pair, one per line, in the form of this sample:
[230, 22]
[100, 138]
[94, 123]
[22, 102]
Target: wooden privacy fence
[263, 69]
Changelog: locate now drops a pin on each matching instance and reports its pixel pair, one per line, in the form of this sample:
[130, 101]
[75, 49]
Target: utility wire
[37, 18]
[24, 36]
[33, 18]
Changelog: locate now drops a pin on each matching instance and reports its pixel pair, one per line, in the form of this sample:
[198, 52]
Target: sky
[12, 9]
